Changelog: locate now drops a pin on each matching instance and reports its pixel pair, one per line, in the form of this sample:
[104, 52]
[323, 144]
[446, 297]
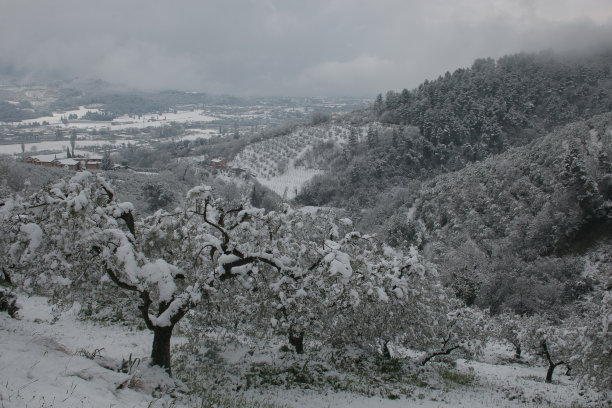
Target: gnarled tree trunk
[386, 351]
[160, 353]
[297, 341]
[517, 351]
[444, 352]
[551, 364]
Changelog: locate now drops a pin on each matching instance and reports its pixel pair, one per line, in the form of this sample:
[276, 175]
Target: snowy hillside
[64, 362]
[273, 161]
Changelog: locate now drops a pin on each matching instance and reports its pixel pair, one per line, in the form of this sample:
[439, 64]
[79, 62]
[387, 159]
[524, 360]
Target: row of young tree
[305, 275]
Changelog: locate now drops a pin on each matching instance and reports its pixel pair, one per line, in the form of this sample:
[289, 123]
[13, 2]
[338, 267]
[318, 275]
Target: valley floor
[55, 362]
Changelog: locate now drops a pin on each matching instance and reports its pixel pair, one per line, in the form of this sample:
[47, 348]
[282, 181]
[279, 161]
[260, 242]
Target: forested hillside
[515, 230]
[13, 112]
[460, 118]
[495, 101]
[500, 173]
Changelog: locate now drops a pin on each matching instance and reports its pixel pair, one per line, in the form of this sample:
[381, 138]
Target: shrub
[8, 302]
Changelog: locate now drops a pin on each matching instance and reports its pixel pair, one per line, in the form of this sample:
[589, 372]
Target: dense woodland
[512, 230]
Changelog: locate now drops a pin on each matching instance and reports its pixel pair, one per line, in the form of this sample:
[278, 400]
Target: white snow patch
[290, 183]
[34, 234]
[41, 365]
[41, 362]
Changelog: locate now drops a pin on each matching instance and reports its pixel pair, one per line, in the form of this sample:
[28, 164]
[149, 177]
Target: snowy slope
[272, 161]
[43, 363]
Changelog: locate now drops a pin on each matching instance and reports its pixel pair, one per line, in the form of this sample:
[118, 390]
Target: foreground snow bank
[60, 361]
[45, 364]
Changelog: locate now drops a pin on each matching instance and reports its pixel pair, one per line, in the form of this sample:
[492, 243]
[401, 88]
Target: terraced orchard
[279, 163]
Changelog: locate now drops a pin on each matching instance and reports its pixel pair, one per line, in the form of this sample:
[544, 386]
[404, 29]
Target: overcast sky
[286, 47]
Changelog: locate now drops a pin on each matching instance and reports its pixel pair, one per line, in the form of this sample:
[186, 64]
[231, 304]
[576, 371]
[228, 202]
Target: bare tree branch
[128, 217]
[144, 308]
[439, 353]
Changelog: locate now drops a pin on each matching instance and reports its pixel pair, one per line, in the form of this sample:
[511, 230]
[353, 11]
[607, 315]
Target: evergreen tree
[379, 106]
[372, 137]
[353, 139]
[107, 161]
[73, 138]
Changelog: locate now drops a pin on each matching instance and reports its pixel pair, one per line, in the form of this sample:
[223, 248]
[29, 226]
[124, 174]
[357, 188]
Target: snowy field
[44, 360]
[290, 182]
[62, 155]
[152, 120]
[197, 134]
[56, 117]
[60, 145]
[121, 122]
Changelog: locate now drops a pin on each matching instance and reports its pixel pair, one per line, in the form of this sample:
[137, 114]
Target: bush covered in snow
[8, 302]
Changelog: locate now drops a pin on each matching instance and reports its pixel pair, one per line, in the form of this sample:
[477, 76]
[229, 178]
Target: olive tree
[74, 234]
[301, 272]
[551, 341]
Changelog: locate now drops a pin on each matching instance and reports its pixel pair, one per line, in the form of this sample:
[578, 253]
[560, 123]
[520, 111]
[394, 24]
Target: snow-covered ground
[122, 122]
[43, 363]
[290, 182]
[119, 123]
[60, 145]
[149, 120]
[62, 155]
[197, 134]
[56, 117]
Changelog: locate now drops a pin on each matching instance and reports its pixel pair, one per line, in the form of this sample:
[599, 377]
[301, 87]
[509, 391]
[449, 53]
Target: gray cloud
[286, 47]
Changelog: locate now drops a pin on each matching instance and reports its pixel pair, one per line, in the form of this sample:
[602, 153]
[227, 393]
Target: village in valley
[79, 138]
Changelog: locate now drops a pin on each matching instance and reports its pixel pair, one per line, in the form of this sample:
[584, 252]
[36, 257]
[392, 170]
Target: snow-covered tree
[343, 288]
[73, 139]
[595, 362]
[279, 290]
[337, 286]
[507, 327]
[301, 273]
[107, 161]
[459, 328]
[552, 342]
[592, 359]
[75, 234]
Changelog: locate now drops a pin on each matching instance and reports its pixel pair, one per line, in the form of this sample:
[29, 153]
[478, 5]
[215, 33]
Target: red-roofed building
[218, 163]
